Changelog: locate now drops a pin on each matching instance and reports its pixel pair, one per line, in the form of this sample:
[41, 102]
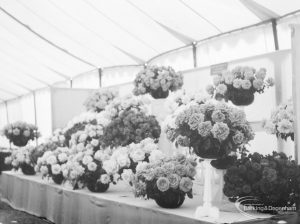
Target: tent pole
[35, 117]
[275, 34]
[100, 76]
[194, 45]
[296, 84]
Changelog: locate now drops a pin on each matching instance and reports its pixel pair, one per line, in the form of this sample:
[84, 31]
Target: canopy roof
[43, 42]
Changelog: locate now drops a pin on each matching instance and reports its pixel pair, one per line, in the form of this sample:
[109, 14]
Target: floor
[11, 216]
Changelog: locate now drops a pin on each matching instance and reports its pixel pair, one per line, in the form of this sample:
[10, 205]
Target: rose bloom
[51, 160]
[127, 175]
[258, 84]
[87, 159]
[204, 128]
[220, 131]
[195, 119]
[229, 79]
[110, 166]
[137, 155]
[174, 180]
[261, 74]
[83, 137]
[156, 156]
[285, 126]
[222, 89]
[210, 89]
[246, 84]
[237, 83]
[104, 179]
[44, 170]
[185, 184]
[123, 160]
[217, 80]
[163, 184]
[191, 171]
[149, 174]
[180, 170]
[16, 131]
[238, 137]
[62, 157]
[8, 160]
[26, 133]
[80, 147]
[217, 116]
[95, 142]
[158, 171]
[55, 169]
[92, 166]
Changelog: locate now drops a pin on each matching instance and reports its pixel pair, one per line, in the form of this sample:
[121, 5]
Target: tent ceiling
[43, 42]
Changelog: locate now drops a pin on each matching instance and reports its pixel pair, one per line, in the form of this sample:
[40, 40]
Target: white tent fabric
[47, 42]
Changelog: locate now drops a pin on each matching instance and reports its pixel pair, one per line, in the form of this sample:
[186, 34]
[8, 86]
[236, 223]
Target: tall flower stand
[159, 110]
[207, 209]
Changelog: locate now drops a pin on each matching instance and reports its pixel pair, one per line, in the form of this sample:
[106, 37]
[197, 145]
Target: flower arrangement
[98, 100]
[19, 133]
[86, 168]
[167, 181]
[239, 85]
[79, 122]
[157, 81]
[125, 103]
[273, 180]
[90, 138]
[212, 129]
[181, 98]
[52, 163]
[131, 126]
[24, 158]
[281, 122]
[125, 159]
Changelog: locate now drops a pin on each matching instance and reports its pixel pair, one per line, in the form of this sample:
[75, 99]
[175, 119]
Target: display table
[64, 205]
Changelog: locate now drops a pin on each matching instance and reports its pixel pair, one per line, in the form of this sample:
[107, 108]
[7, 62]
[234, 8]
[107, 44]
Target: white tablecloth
[63, 205]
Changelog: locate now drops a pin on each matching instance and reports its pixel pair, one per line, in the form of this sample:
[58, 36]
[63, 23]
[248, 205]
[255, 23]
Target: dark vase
[20, 141]
[98, 187]
[170, 199]
[159, 94]
[58, 179]
[241, 98]
[27, 169]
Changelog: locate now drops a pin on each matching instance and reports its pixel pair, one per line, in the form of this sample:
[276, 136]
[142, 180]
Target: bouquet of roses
[213, 129]
[131, 126]
[78, 123]
[125, 103]
[239, 85]
[24, 158]
[86, 168]
[52, 163]
[272, 180]
[157, 81]
[181, 98]
[167, 180]
[19, 133]
[90, 138]
[281, 122]
[100, 99]
[127, 158]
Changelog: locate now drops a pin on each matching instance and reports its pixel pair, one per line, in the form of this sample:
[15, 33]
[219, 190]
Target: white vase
[208, 209]
[159, 110]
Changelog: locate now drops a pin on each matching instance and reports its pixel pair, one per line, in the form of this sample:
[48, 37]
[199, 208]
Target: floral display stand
[160, 111]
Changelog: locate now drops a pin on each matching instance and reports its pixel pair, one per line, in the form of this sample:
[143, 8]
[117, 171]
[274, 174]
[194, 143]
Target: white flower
[8, 160]
[123, 160]
[44, 170]
[62, 157]
[156, 156]
[55, 169]
[110, 166]
[87, 159]
[116, 177]
[100, 155]
[95, 142]
[51, 160]
[127, 175]
[104, 179]
[137, 155]
[83, 137]
[92, 166]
